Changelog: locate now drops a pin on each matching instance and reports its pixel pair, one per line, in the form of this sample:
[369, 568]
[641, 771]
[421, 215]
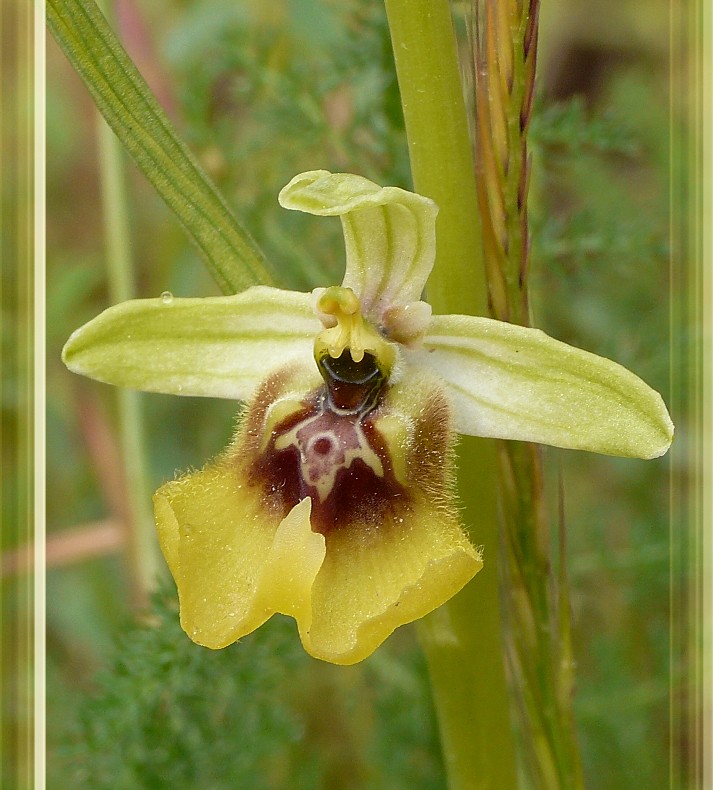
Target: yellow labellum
[250, 535]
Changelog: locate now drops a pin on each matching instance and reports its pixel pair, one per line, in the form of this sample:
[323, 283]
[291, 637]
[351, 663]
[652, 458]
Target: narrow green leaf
[511, 382]
[220, 347]
[131, 110]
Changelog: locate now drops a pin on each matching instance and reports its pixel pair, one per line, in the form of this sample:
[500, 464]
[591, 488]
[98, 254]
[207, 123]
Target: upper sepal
[389, 234]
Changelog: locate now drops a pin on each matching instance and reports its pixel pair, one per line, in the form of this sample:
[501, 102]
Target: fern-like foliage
[166, 714]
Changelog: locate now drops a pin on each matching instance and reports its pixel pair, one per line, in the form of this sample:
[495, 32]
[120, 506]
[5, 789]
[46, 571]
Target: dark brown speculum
[352, 386]
[330, 449]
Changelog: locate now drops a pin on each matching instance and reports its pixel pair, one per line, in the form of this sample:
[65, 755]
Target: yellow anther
[337, 300]
[351, 331]
[343, 305]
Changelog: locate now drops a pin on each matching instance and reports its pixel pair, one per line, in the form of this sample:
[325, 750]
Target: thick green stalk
[462, 640]
[143, 546]
[463, 644]
[439, 147]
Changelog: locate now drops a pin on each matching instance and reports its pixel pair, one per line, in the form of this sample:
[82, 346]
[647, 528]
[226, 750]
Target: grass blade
[132, 111]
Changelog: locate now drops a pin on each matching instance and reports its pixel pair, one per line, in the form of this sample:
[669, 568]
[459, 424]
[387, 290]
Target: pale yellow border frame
[706, 264]
[701, 94]
[18, 101]
[39, 399]
[697, 58]
[691, 89]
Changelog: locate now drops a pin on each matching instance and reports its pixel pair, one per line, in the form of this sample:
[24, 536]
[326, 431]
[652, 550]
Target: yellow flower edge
[220, 545]
[372, 582]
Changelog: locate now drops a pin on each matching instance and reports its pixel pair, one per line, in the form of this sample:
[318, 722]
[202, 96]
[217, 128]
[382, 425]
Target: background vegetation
[262, 91]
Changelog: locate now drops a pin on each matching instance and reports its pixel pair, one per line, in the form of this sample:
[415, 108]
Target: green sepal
[512, 382]
[221, 347]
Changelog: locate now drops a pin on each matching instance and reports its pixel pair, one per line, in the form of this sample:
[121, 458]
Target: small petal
[511, 382]
[220, 347]
[390, 234]
[407, 323]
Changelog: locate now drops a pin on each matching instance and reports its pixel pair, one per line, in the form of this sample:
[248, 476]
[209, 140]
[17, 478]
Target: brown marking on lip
[251, 434]
[323, 446]
[357, 495]
[360, 488]
[430, 462]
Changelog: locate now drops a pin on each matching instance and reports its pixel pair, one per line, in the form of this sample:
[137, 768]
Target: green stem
[143, 546]
[463, 645]
[439, 147]
[462, 640]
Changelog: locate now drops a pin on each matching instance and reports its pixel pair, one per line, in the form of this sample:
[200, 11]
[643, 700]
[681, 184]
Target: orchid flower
[334, 502]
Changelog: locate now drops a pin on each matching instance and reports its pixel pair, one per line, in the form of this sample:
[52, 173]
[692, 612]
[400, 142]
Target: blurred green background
[262, 91]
